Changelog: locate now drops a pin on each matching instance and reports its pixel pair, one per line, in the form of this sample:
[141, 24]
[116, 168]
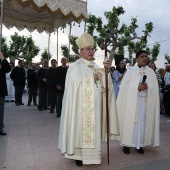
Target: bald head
[64, 61]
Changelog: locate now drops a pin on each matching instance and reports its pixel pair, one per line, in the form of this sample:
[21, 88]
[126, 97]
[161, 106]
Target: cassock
[83, 117]
[138, 111]
[10, 87]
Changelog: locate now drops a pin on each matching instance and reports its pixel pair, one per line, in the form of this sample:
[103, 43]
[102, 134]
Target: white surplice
[83, 122]
[10, 88]
[139, 125]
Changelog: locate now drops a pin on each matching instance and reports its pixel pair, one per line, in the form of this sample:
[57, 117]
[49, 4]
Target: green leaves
[167, 58]
[45, 55]
[21, 47]
[154, 52]
[4, 48]
[64, 50]
[120, 36]
[75, 48]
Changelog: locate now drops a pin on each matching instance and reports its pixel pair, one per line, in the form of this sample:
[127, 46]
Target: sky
[155, 11]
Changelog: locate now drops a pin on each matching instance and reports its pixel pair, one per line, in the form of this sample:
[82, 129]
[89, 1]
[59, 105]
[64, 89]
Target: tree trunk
[112, 55]
[12, 59]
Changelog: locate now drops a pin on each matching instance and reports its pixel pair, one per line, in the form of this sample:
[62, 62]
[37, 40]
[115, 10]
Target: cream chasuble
[138, 112]
[82, 111]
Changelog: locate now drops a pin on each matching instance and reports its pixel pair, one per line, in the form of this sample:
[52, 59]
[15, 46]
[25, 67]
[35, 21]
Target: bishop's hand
[106, 63]
[142, 86]
[96, 77]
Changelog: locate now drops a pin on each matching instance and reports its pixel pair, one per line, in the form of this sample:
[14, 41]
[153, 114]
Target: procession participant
[60, 84]
[18, 76]
[51, 84]
[10, 86]
[4, 68]
[42, 86]
[32, 85]
[118, 75]
[138, 106]
[83, 110]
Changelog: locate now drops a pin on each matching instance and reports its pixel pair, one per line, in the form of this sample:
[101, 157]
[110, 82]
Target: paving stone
[32, 139]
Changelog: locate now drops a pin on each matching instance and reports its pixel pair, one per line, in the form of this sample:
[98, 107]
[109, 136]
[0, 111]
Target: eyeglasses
[88, 49]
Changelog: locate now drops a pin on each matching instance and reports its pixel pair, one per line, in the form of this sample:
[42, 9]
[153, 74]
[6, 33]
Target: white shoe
[168, 120]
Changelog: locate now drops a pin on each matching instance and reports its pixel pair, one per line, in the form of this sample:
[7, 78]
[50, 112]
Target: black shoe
[141, 151]
[78, 163]
[126, 150]
[12, 100]
[17, 104]
[28, 105]
[21, 103]
[2, 133]
[39, 108]
[6, 100]
[166, 115]
[58, 115]
[35, 104]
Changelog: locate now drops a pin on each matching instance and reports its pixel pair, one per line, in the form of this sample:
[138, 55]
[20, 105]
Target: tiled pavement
[31, 144]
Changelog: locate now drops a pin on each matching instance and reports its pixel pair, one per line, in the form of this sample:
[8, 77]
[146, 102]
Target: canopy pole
[69, 44]
[85, 26]
[57, 46]
[85, 20]
[48, 50]
[1, 19]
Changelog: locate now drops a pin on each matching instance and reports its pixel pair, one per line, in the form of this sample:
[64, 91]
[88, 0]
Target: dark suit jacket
[42, 73]
[31, 78]
[61, 76]
[52, 75]
[18, 76]
[5, 68]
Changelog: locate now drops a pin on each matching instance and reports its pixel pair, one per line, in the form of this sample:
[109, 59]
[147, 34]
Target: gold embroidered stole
[142, 72]
[88, 107]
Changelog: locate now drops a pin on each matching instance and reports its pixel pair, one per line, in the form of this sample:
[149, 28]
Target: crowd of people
[45, 83]
[137, 96]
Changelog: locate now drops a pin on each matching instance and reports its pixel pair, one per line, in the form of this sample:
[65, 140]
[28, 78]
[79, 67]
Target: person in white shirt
[10, 87]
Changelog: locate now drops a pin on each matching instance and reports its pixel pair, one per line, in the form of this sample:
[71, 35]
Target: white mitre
[85, 40]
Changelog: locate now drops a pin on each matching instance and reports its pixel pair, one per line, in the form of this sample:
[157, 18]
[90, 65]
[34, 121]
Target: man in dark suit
[18, 76]
[61, 76]
[42, 86]
[51, 75]
[32, 85]
[4, 68]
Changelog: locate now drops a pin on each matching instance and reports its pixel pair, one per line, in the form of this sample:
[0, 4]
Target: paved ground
[31, 144]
